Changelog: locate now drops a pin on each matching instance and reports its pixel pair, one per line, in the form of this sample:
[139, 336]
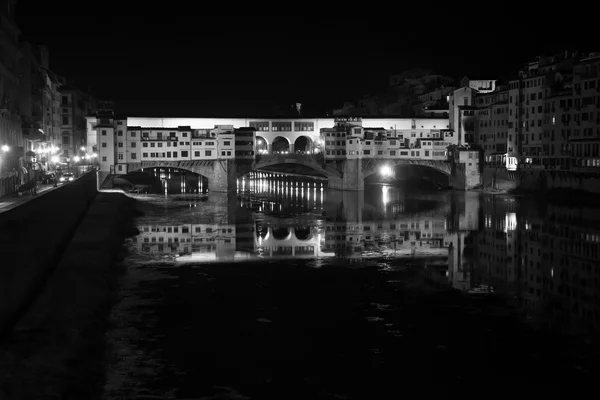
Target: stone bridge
[221, 174]
[347, 174]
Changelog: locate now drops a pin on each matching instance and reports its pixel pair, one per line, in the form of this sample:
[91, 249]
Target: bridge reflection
[540, 258]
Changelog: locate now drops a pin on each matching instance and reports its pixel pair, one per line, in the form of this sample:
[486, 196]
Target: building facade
[75, 105]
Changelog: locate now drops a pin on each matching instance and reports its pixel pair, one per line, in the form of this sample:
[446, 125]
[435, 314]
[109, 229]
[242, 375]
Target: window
[208, 153]
[103, 132]
[119, 133]
[120, 156]
[281, 126]
[304, 126]
[144, 144]
[133, 156]
[103, 158]
[153, 144]
[175, 154]
[159, 144]
[260, 126]
[132, 134]
[134, 144]
[196, 154]
[223, 153]
[65, 100]
[120, 144]
[103, 144]
[65, 120]
[184, 154]
[144, 154]
[168, 154]
[227, 143]
[229, 153]
[184, 134]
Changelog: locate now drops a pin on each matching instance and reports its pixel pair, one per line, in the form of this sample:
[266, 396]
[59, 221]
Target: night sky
[255, 65]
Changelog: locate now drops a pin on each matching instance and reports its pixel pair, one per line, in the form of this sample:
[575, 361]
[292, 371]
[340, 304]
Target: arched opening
[164, 180]
[281, 145]
[262, 146]
[302, 233]
[303, 145]
[280, 233]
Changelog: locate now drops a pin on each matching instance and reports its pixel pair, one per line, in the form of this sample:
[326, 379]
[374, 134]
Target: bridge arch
[371, 167]
[303, 233]
[213, 172]
[280, 145]
[262, 145]
[281, 233]
[304, 144]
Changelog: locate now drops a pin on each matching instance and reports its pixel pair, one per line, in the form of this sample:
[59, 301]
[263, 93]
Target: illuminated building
[492, 122]
[584, 142]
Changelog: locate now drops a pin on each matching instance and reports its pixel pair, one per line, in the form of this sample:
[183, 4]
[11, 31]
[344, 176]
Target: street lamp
[5, 148]
[386, 170]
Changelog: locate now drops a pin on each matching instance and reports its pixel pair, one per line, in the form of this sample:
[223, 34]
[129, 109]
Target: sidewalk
[12, 201]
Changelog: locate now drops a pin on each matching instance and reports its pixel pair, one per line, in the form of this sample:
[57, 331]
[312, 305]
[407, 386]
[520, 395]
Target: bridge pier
[353, 177]
[224, 177]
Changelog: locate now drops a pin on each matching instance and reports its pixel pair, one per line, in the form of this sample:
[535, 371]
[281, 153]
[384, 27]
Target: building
[558, 110]
[12, 145]
[527, 102]
[155, 139]
[75, 105]
[492, 122]
[407, 138]
[461, 112]
[584, 141]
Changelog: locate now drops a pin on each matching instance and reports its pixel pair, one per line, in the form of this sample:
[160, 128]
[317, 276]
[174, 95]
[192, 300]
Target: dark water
[291, 290]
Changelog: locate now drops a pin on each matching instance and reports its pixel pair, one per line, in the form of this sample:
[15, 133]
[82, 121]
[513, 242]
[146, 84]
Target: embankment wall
[539, 180]
[32, 238]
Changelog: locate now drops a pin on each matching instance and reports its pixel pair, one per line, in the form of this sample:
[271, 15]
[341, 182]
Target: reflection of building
[207, 242]
[549, 269]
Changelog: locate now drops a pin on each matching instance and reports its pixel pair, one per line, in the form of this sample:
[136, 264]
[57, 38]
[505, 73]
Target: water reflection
[539, 257]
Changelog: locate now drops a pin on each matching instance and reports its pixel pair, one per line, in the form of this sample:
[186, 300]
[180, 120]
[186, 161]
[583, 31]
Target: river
[290, 290]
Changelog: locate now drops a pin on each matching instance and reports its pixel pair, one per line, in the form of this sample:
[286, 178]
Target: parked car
[66, 177]
[48, 178]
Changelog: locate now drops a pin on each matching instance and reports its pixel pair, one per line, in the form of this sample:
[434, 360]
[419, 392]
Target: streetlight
[82, 148]
[386, 170]
[76, 159]
[5, 148]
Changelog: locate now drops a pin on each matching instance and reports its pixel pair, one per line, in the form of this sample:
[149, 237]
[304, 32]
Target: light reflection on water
[541, 257]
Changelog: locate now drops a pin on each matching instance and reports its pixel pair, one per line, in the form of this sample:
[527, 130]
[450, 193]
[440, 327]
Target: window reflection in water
[480, 245]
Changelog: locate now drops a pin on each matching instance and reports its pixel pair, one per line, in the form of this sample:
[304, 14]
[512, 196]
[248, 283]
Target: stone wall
[224, 177]
[540, 180]
[32, 239]
[352, 178]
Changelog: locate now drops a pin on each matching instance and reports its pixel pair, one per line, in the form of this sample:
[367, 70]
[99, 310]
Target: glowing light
[54, 159]
[386, 170]
[82, 148]
[76, 159]
[5, 148]
[385, 195]
[510, 222]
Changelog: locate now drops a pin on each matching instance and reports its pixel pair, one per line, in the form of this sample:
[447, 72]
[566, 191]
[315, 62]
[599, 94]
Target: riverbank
[57, 350]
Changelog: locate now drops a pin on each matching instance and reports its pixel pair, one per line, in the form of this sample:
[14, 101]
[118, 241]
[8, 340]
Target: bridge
[348, 174]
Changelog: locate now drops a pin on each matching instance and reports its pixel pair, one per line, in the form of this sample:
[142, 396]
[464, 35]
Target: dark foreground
[282, 330]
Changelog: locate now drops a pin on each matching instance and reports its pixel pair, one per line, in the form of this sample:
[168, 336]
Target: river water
[290, 290]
